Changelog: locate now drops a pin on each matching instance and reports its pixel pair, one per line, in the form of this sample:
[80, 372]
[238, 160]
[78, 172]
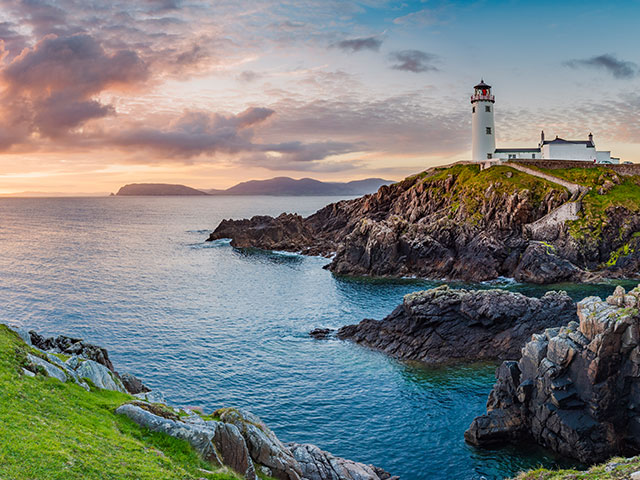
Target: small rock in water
[320, 333]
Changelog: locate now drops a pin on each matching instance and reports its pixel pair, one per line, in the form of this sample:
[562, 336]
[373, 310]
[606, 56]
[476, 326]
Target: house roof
[516, 150]
[559, 140]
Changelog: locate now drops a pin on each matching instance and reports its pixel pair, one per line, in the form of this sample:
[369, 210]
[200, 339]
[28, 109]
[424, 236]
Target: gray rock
[28, 373]
[582, 399]
[133, 384]
[99, 375]
[51, 369]
[215, 442]
[153, 396]
[264, 446]
[317, 464]
[445, 324]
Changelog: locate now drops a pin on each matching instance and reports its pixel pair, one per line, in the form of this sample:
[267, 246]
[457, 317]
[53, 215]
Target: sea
[211, 326]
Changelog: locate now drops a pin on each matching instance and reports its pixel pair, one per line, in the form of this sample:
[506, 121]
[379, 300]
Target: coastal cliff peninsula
[535, 224]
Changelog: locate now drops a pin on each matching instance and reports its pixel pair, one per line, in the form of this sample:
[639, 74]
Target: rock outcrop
[445, 324]
[575, 389]
[240, 440]
[71, 346]
[458, 223]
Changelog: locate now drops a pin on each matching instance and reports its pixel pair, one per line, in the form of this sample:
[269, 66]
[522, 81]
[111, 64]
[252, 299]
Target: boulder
[50, 369]
[133, 384]
[317, 464]
[100, 376]
[445, 324]
[575, 389]
[215, 442]
[264, 446]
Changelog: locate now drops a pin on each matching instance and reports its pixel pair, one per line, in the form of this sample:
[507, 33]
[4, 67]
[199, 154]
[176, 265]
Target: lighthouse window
[487, 108]
[473, 110]
[488, 130]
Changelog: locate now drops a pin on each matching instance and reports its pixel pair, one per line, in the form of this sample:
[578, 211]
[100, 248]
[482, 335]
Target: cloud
[195, 133]
[201, 134]
[249, 76]
[421, 17]
[51, 86]
[359, 44]
[415, 61]
[609, 63]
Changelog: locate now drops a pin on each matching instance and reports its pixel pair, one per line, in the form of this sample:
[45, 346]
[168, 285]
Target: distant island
[273, 186]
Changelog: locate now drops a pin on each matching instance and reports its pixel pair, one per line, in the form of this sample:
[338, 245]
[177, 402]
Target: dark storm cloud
[609, 63]
[415, 61]
[359, 44]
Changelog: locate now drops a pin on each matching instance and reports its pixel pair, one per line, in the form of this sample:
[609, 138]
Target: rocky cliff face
[575, 389]
[444, 325]
[454, 223]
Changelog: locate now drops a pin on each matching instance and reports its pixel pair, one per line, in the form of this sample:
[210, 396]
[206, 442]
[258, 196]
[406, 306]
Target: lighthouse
[482, 127]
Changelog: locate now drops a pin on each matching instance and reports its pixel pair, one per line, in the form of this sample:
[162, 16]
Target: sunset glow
[208, 94]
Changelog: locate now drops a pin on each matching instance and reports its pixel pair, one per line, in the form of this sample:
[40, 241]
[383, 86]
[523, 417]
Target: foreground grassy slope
[54, 430]
[614, 469]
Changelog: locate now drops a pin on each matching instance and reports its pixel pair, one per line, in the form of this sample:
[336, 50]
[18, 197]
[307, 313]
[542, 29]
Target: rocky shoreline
[575, 389]
[464, 224]
[228, 437]
[444, 325]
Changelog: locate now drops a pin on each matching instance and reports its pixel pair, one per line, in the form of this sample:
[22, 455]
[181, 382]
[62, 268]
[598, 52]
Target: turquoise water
[211, 326]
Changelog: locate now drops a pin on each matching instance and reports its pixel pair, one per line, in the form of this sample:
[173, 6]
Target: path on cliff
[575, 188]
[547, 227]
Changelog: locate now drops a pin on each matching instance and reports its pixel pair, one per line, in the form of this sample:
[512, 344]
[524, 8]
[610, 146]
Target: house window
[473, 110]
[488, 130]
[487, 108]
[489, 156]
[512, 156]
[533, 155]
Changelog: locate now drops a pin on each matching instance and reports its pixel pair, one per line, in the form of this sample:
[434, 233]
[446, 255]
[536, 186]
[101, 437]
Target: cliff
[575, 389]
[462, 223]
[66, 413]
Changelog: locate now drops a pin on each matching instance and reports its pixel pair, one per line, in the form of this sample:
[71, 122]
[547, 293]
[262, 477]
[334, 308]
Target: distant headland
[273, 186]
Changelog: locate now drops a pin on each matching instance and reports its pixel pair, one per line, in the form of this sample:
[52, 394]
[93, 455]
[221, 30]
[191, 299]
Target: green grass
[472, 186]
[54, 430]
[623, 471]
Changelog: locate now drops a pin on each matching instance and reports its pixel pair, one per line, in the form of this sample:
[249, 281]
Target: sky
[96, 94]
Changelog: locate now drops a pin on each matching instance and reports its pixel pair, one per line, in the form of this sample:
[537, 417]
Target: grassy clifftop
[54, 430]
[614, 469]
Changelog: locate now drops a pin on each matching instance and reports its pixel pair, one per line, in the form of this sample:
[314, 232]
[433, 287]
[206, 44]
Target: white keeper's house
[484, 138]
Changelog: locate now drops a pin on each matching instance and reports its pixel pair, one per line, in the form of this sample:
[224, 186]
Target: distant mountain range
[273, 186]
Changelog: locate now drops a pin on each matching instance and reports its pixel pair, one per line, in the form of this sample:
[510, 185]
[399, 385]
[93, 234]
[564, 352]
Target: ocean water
[212, 326]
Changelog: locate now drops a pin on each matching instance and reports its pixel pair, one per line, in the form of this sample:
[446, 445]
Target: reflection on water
[211, 326]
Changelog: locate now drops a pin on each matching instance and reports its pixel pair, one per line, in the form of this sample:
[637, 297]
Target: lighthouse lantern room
[482, 126]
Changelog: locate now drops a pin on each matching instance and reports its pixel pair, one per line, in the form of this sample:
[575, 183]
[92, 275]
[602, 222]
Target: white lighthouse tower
[482, 127]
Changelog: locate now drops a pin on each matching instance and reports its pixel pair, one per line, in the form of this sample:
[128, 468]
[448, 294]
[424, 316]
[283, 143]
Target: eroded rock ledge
[229, 437]
[445, 324]
[575, 389]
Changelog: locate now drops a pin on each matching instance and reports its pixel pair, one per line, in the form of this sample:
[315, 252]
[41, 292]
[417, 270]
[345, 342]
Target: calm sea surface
[212, 326]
